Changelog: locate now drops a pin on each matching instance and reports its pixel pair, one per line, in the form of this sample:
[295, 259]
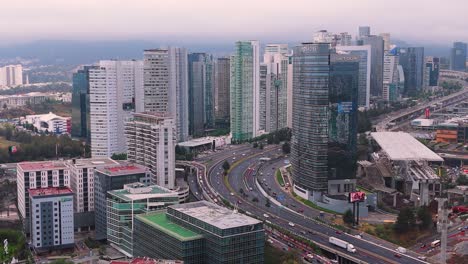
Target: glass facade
[311, 67]
[412, 61]
[458, 56]
[80, 103]
[343, 98]
[377, 63]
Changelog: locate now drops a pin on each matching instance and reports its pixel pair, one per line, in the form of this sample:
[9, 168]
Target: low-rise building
[199, 232]
[124, 204]
[50, 123]
[51, 218]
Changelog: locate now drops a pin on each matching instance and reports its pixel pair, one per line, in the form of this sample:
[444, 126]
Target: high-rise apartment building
[412, 61]
[245, 90]
[11, 75]
[51, 218]
[364, 31]
[124, 204]
[36, 175]
[151, 142]
[166, 86]
[386, 39]
[377, 63]
[458, 56]
[273, 88]
[115, 89]
[344, 39]
[364, 53]
[110, 178]
[201, 93]
[80, 103]
[222, 93]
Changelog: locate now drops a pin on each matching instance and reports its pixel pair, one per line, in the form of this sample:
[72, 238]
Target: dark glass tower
[80, 103]
[458, 56]
[311, 67]
[412, 61]
[377, 63]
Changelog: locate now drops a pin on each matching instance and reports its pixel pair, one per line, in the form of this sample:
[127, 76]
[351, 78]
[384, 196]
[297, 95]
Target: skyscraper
[273, 88]
[364, 31]
[151, 143]
[201, 93]
[391, 76]
[311, 67]
[11, 75]
[377, 57]
[166, 85]
[80, 103]
[412, 61]
[112, 87]
[364, 53]
[222, 94]
[386, 39]
[244, 90]
[431, 71]
[458, 56]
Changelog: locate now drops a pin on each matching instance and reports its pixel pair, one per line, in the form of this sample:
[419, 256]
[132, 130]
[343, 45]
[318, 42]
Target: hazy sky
[436, 21]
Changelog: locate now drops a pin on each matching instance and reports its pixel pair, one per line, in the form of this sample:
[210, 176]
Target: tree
[255, 200]
[462, 179]
[286, 148]
[119, 156]
[424, 215]
[226, 166]
[255, 145]
[348, 217]
[268, 204]
[241, 191]
[260, 146]
[405, 220]
[5, 106]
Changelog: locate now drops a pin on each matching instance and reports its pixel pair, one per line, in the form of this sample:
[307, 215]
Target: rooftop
[402, 146]
[49, 191]
[93, 162]
[215, 215]
[196, 142]
[160, 221]
[41, 165]
[138, 191]
[147, 261]
[122, 169]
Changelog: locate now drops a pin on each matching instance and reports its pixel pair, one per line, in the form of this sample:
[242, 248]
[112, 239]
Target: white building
[166, 85]
[34, 175]
[391, 77]
[151, 139]
[273, 88]
[115, 89]
[52, 218]
[364, 70]
[50, 122]
[11, 75]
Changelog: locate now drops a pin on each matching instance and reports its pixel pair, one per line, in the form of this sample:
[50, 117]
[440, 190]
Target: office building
[309, 143]
[289, 88]
[124, 204]
[35, 175]
[386, 39]
[82, 185]
[273, 88]
[458, 57]
[110, 178]
[364, 31]
[344, 39]
[166, 86]
[151, 143]
[377, 63]
[11, 75]
[245, 90]
[146, 260]
[222, 93]
[80, 103]
[201, 93]
[115, 89]
[323, 36]
[199, 232]
[49, 123]
[51, 218]
[364, 53]
[391, 91]
[412, 61]
[325, 101]
[431, 71]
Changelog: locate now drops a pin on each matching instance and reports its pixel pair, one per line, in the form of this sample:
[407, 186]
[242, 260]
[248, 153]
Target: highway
[304, 225]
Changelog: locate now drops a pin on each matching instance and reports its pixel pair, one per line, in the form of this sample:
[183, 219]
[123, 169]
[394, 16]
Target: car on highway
[239, 201]
[232, 194]
[291, 224]
[398, 255]
[251, 188]
[266, 215]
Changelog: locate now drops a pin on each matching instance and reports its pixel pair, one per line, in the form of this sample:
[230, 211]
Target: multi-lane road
[287, 212]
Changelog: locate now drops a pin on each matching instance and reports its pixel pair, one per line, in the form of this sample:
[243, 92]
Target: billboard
[357, 197]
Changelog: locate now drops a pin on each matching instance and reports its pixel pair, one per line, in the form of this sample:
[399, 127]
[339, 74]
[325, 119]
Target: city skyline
[86, 20]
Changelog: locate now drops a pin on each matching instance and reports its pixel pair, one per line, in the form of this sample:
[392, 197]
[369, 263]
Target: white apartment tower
[151, 139]
[115, 92]
[166, 85]
[11, 75]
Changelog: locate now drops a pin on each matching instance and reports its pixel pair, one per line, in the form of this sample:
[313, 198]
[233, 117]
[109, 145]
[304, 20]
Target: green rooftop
[160, 221]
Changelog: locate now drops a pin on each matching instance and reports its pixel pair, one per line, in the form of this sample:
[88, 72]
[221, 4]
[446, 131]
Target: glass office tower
[80, 103]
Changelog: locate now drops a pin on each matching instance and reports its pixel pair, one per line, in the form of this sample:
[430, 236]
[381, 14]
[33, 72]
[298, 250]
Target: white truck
[342, 244]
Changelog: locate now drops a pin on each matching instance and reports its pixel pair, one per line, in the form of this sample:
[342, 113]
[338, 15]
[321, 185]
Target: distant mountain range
[79, 52]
